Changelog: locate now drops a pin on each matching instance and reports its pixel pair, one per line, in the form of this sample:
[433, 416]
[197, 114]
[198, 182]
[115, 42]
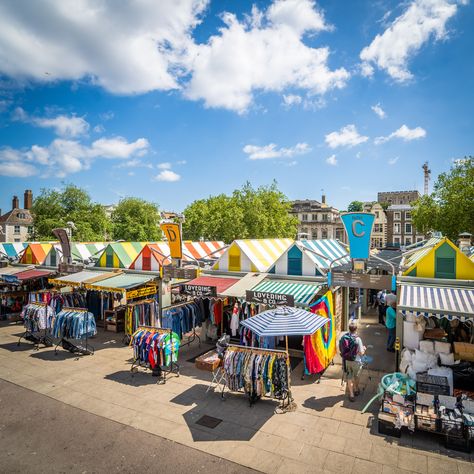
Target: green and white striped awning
[302, 292]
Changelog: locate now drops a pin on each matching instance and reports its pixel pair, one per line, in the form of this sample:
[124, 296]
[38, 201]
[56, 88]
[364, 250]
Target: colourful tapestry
[320, 347]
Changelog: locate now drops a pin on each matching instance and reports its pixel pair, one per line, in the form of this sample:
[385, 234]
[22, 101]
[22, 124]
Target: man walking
[352, 350]
[381, 305]
[391, 323]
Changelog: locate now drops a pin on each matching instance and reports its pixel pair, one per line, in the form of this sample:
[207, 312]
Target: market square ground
[325, 434]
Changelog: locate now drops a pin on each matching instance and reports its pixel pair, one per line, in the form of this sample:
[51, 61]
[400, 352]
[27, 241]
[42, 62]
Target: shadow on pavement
[135, 379]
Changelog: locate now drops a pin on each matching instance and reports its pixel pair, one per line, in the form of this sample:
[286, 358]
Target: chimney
[15, 203]
[323, 199]
[464, 241]
[28, 199]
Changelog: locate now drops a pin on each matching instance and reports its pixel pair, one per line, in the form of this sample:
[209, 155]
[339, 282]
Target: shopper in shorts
[352, 350]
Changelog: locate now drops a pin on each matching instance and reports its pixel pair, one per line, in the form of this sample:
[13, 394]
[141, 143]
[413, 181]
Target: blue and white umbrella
[285, 321]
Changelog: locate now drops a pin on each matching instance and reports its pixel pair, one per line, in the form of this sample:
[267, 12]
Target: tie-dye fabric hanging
[320, 347]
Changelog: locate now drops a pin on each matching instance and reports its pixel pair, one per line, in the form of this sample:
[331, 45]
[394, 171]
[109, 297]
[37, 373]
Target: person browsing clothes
[352, 350]
[391, 323]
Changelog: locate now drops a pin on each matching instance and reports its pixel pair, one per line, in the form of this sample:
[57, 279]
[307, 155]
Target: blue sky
[174, 101]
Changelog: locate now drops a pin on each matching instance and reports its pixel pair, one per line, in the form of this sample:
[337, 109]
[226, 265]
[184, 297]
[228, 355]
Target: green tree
[450, 208]
[355, 206]
[136, 220]
[248, 213]
[55, 208]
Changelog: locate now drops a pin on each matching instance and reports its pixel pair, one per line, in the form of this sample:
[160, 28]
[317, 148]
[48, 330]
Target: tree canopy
[355, 206]
[55, 208]
[248, 213]
[136, 220]
[450, 207]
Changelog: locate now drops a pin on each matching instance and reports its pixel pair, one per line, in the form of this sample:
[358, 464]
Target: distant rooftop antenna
[427, 172]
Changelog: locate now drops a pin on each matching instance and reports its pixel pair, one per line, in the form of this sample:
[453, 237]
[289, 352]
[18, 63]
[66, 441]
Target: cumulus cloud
[422, 21]
[377, 108]
[164, 166]
[404, 133]
[331, 160]
[135, 163]
[392, 161]
[68, 43]
[347, 136]
[63, 156]
[264, 52]
[272, 151]
[291, 99]
[168, 175]
[68, 126]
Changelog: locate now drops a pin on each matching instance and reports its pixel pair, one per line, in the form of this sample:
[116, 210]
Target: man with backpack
[381, 305]
[352, 350]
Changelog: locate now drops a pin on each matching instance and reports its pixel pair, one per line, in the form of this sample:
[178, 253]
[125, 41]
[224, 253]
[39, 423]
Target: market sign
[361, 280]
[271, 299]
[173, 236]
[358, 227]
[170, 272]
[146, 291]
[199, 290]
[12, 279]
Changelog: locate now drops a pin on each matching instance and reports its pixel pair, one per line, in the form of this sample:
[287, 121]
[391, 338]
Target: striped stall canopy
[256, 255]
[120, 254]
[442, 302]
[152, 257]
[424, 250]
[12, 249]
[36, 253]
[285, 321]
[203, 250]
[331, 249]
[303, 293]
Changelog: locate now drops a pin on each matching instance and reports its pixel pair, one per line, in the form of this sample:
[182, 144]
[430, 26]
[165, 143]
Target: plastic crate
[432, 384]
[427, 423]
[453, 427]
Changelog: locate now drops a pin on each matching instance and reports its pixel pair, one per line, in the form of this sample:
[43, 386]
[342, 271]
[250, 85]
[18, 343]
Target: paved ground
[39, 434]
[326, 433]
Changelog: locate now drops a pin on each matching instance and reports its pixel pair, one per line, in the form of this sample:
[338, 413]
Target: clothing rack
[194, 335]
[36, 339]
[82, 350]
[173, 366]
[276, 352]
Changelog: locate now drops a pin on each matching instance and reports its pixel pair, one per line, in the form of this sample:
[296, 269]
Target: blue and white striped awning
[302, 292]
[285, 321]
[326, 251]
[442, 302]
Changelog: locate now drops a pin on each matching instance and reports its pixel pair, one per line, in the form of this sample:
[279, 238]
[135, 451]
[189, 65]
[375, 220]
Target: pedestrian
[391, 323]
[381, 305]
[352, 350]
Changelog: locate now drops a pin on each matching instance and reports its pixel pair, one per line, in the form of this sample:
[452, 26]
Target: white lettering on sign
[354, 228]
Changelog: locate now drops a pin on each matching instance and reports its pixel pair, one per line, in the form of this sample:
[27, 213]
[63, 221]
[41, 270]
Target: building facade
[17, 224]
[397, 197]
[317, 220]
[378, 238]
[400, 229]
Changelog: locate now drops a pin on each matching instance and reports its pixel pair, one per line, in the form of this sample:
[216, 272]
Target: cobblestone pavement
[326, 433]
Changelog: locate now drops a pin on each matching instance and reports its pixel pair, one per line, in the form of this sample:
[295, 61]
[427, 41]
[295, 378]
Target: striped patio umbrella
[285, 321]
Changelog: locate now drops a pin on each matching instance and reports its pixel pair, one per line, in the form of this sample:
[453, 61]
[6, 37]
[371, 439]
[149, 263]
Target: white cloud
[347, 136]
[63, 125]
[420, 22]
[164, 166]
[272, 151]
[63, 157]
[168, 175]
[99, 128]
[404, 133]
[291, 99]
[265, 52]
[332, 160]
[379, 111]
[392, 161]
[135, 163]
[109, 115]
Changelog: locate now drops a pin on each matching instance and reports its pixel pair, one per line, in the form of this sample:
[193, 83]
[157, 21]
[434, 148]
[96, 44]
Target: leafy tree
[53, 208]
[247, 213]
[355, 206]
[136, 220]
[450, 208]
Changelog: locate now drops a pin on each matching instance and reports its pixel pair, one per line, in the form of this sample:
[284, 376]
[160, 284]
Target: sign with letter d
[173, 235]
[358, 226]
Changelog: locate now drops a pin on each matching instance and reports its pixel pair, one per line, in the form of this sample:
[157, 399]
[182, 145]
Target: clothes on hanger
[154, 348]
[258, 374]
[144, 313]
[37, 317]
[183, 318]
[70, 324]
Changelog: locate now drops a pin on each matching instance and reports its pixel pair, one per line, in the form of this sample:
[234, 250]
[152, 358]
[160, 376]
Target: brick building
[17, 224]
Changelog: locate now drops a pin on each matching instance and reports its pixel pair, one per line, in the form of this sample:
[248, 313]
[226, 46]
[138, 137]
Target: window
[408, 216]
[304, 217]
[324, 234]
[325, 218]
[314, 234]
[16, 240]
[396, 241]
[396, 216]
[314, 217]
[396, 228]
[377, 214]
[419, 239]
[30, 229]
[408, 228]
[16, 229]
[408, 241]
[378, 227]
[20, 215]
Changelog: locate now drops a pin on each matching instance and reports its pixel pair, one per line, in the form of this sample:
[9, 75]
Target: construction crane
[427, 173]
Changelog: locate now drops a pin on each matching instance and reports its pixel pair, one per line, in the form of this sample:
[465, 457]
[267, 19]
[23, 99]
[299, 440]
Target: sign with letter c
[358, 227]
